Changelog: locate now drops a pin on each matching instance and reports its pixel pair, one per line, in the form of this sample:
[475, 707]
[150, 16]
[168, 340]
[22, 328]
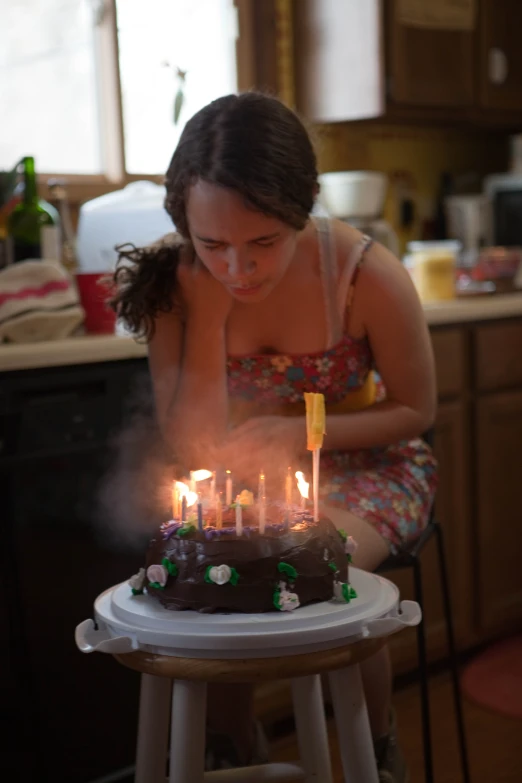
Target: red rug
[494, 679]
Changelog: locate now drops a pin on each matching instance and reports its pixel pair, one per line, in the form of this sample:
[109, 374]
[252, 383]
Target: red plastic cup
[99, 318]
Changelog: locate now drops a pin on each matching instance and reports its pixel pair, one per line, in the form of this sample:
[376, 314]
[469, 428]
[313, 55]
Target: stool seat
[251, 670]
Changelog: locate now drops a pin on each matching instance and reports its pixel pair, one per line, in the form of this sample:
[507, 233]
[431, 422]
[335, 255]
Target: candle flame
[184, 492]
[302, 485]
[200, 475]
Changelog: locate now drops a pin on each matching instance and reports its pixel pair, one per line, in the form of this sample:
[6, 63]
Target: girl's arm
[188, 368]
[392, 317]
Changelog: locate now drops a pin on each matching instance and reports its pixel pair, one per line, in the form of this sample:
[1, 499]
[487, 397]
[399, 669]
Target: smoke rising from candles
[135, 494]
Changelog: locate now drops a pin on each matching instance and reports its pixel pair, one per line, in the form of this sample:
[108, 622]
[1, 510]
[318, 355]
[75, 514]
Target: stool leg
[187, 732]
[452, 656]
[153, 729]
[353, 726]
[311, 729]
[423, 676]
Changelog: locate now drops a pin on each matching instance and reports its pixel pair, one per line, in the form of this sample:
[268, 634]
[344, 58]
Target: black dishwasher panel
[77, 713]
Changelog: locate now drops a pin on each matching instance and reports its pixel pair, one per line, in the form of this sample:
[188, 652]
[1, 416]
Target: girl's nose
[239, 265]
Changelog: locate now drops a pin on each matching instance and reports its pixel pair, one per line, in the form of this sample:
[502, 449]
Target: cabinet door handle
[498, 66]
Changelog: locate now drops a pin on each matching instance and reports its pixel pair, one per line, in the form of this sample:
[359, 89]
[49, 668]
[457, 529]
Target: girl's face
[247, 251]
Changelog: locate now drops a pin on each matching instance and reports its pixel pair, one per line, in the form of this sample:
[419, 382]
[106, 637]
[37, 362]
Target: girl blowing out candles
[252, 304]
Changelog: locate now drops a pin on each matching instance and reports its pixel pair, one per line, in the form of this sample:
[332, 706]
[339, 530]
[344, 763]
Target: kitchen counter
[104, 348]
[474, 308]
[86, 349]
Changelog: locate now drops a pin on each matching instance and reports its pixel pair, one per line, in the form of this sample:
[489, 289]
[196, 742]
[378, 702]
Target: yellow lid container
[433, 267]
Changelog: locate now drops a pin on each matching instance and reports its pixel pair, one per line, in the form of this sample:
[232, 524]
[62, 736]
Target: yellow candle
[219, 512]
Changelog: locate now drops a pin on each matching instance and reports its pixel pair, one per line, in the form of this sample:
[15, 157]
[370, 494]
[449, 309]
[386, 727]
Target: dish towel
[38, 301]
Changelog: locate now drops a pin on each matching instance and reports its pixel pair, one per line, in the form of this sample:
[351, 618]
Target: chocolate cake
[295, 561]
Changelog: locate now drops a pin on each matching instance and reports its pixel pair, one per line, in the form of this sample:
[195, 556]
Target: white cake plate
[124, 623]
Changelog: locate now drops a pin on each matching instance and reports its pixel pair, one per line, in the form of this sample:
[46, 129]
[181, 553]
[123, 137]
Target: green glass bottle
[33, 227]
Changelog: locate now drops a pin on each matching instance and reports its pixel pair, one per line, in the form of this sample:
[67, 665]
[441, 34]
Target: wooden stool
[187, 695]
[175, 656]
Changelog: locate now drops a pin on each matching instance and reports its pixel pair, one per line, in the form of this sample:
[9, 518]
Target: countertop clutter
[103, 348]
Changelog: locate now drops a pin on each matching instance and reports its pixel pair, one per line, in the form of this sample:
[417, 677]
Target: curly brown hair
[251, 143]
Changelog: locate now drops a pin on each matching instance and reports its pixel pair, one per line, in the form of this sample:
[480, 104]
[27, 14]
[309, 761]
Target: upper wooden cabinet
[427, 66]
[500, 71]
[382, 58]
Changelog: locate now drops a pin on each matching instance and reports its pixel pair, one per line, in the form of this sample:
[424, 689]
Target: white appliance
[134, 214]
[469, 219]
[358, 198]
[504, 194]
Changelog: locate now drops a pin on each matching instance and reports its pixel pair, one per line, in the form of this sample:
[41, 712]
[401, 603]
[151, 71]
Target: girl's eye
[266, 244]
[216, 246]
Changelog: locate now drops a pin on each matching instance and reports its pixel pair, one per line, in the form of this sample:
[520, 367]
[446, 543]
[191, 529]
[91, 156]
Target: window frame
[256, 55]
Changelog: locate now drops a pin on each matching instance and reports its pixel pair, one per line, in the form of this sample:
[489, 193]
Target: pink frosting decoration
[157, 573]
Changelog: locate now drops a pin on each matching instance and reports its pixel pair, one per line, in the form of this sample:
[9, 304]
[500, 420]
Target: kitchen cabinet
[500, 66]
[427, 66]
[478, 437]
[366, 60]
[498, 532]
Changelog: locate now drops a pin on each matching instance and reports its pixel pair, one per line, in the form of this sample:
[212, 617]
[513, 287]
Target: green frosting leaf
[136, 592]
[343, 534]
[276, 600]
[348, 592]
[157, 585]
[208, 580]
[349, 558]
[286, 568]
[171, 567]
[333, 566]
[185, 530]
[234, 578]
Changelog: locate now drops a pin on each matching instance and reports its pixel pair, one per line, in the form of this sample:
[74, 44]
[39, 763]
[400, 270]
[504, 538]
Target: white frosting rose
[157, 573]
[350, 546]
[137, 582]
[338, 592]
[220, 574]
[288, 601]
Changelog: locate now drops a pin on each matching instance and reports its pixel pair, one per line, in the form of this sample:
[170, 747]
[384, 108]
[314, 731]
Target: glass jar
[433, 269]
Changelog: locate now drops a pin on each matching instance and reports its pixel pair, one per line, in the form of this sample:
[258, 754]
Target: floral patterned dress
[390, 487]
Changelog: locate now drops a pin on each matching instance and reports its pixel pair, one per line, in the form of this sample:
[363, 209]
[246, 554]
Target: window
[85, 94]
[196, 36]
[48, 101]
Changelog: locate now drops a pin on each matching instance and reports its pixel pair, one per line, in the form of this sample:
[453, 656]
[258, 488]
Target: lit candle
[316, 459]
[184, 508]
[239, 518]
[213, 488]
[219, 512]
[175, 500]
[200, 513]
[192, 481]
[228, 489]
[288, 487]
[303, 487]
[261, 490]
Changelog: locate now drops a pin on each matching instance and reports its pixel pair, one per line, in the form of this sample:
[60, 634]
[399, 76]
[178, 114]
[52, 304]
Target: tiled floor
[495, 742]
